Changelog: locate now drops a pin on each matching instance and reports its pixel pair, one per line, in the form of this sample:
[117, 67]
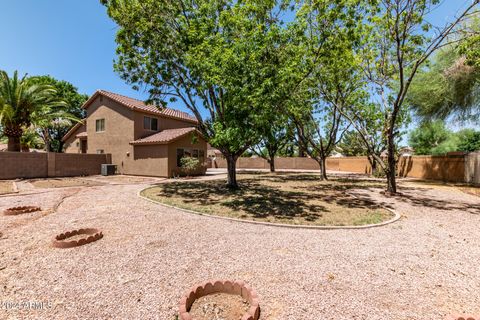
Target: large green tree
[468, 140]
[220, 58]
[432, 138]
[23, 102]
[53, 126]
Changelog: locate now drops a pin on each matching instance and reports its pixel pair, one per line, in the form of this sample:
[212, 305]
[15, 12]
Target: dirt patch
[300, 199]
[6, 187]
[65, 182]
[219, 306]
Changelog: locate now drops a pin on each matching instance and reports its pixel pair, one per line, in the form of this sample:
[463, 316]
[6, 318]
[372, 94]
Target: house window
[195, 153]
[100, 125]
[150, 123]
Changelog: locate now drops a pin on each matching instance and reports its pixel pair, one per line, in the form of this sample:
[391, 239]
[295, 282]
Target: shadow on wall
[450, 168]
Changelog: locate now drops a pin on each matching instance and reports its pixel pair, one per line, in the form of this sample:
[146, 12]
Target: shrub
[189, 165]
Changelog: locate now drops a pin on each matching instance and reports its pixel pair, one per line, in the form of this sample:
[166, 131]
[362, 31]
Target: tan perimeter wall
[444, 168]
[14, 165]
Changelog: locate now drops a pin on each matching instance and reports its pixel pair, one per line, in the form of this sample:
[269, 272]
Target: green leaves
[219, 58]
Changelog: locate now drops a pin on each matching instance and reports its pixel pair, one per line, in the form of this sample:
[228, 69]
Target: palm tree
[21, 103]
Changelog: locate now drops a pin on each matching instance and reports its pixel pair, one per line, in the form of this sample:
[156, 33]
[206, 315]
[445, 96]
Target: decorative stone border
[92, 236]
[19, 210]
[396, 217]
[220, 286]
[463, 317]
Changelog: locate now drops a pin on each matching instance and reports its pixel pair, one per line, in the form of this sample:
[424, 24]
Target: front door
[83, 145]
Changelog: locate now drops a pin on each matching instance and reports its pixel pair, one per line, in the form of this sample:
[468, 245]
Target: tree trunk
[14, 144]
[323, 169]
[373, 164]
[391, 166]
[231, 172]
[271, 162]
[60, 146]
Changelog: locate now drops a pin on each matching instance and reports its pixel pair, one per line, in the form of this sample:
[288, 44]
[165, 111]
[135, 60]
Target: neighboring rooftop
[139, 105]
[165, 136]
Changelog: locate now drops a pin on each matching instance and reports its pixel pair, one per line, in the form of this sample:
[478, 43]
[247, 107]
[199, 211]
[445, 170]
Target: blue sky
[74, 40]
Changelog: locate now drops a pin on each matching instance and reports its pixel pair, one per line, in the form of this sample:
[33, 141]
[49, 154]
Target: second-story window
[150, 123]
[100, 125]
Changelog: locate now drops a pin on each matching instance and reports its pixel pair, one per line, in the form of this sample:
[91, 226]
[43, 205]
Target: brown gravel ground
[421, 267]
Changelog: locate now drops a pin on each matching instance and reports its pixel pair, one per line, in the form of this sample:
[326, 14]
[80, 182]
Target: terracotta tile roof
[81, 135]
[165, 136]
[139, 105]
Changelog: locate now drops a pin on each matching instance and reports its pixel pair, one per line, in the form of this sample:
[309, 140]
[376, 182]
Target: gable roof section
[165, 136]
[73, 129]
[139, 105]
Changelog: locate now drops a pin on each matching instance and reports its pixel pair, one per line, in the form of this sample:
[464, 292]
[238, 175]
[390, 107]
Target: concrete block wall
[449, 168]
[15, 165]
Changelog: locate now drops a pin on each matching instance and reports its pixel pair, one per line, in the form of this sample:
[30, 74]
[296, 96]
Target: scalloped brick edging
[92, 235]
[221, 286]
[19, 210]
[463, 317]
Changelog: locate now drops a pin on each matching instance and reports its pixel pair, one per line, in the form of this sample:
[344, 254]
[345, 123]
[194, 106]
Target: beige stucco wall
[150, 160]
[163, 123]
[122, 126]
[119, 128]
[161, 159]
[72, 144]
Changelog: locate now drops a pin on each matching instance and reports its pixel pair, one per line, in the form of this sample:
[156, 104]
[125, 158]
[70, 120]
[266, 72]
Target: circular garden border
[92, 235]
[221, 286]
[396, 217]
[19, 210]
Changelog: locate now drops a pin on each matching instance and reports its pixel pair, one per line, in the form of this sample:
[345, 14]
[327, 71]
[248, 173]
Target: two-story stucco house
[142, 139]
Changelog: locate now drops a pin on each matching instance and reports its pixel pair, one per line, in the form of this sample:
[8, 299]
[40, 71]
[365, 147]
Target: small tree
[331, 38]
[274, 139]
[397, 45]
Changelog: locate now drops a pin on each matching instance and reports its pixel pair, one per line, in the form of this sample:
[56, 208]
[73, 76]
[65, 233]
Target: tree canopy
[222, 59]
[52, 127]
[22, 104]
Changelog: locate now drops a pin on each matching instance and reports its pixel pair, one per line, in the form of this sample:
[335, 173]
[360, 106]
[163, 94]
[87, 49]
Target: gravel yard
[423, 266]
[6, 187]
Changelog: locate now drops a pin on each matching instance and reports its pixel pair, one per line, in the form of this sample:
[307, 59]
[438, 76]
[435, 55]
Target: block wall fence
[15, 165]
[449, 168]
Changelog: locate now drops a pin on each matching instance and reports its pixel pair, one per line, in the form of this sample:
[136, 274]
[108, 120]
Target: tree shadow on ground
[257, 200]
[420, 197]
[266, 196]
